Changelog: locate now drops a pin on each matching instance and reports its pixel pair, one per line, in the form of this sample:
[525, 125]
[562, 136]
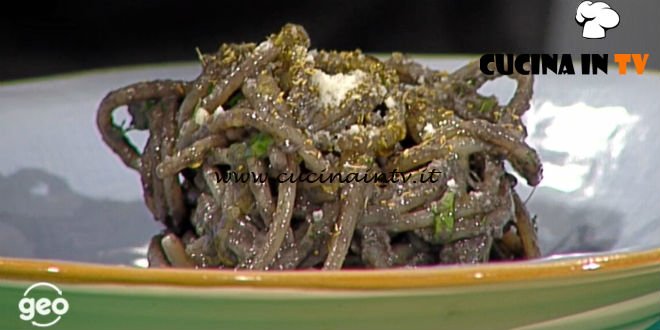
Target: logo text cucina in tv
[595, 18]
[561, 64]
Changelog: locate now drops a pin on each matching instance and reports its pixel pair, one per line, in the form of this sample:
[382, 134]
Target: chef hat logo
[596, 18]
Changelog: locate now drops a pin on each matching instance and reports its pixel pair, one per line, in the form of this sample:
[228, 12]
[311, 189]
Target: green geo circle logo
[42, 311]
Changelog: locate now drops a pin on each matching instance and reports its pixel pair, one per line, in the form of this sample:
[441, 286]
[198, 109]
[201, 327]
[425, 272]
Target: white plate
[64, 195]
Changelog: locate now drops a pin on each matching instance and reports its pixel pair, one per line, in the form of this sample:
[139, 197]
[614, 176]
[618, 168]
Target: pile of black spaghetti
[281, 107]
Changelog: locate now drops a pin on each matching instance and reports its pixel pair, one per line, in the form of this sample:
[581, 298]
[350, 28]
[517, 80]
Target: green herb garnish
[209, 90]
[259, 145]
[234, 99]
[443, 215]
[487, 105]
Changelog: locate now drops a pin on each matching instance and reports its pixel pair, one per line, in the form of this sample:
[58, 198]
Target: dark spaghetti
[279, 107]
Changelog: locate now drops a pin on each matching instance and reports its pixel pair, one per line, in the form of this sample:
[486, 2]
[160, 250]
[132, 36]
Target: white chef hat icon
[596, 17]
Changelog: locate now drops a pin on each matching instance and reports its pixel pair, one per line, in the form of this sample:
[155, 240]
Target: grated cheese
[476, 194]
[390, 103]
[201, 116]
[317, 215]
[333, 88]
[429, 130]
[354, 129]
